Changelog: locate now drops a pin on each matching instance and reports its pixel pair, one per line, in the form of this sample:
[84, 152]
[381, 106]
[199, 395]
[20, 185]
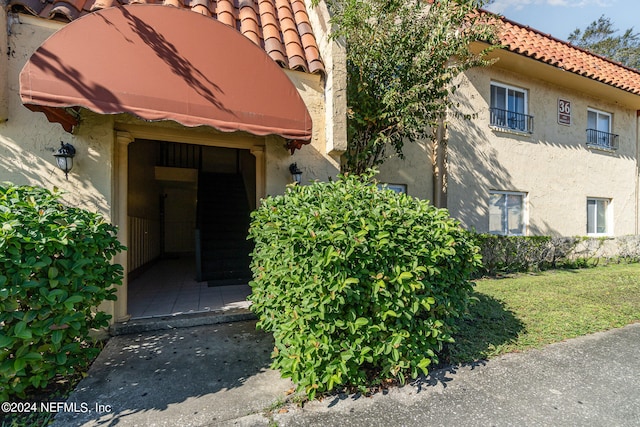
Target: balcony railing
[511, 120]
[604, 140]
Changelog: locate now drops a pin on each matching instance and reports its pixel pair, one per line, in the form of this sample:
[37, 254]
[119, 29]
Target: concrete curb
[160, 323]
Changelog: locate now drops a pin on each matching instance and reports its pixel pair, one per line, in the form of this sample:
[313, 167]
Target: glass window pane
[515, 215]
[601, 216]
[496, 214]
[603, 123]
[516, 101]
[591, 216]
[498, 97]
[592, 119]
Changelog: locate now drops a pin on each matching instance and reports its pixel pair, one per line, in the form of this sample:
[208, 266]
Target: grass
[532, 310]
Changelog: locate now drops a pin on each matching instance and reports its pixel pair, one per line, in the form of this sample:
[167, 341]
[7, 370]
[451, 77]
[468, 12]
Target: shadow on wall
[473, 170]
[36, 166]
[315, 166]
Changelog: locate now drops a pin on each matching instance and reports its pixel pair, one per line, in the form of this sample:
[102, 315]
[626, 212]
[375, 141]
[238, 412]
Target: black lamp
[296, 174]
[64, 157]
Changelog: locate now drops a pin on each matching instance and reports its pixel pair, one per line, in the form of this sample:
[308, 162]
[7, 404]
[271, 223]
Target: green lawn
[532, 310]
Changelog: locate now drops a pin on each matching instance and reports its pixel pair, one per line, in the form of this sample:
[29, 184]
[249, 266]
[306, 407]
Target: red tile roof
[280, 27]
[534, 44]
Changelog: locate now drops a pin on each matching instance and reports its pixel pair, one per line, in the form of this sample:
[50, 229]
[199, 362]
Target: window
[509, 108]
[598, 214]
[398, 188]
[507, 213]
[599, 130]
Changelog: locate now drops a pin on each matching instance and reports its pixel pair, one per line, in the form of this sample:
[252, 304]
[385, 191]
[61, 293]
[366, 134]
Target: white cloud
[502, 6]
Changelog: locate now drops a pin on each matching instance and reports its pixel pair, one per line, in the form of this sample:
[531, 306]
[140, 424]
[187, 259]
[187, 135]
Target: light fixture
[296, 174]
[64, 157]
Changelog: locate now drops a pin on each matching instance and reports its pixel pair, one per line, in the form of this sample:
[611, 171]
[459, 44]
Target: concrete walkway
[218, 375]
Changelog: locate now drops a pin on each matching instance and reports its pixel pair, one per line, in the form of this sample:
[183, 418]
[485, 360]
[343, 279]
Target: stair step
[224, 225]
[227, 282]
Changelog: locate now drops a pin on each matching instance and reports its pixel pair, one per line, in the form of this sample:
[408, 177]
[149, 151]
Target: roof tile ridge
[307, 37]
[103, 4]
[203, 7]
[292, 41]
[225, 12]
[175, 3]
[249, 21]
[271, 32]
[34, 7]
[565, 43]
[65, 8]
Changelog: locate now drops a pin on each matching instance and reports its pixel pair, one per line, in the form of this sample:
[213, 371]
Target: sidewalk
[218, 375]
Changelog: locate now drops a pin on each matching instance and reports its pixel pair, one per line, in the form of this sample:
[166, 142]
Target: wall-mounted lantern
[296, 174]
[64, 157]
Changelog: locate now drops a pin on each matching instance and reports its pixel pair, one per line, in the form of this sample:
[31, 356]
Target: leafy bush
[511, 254]
[356, 283]
[54, 270]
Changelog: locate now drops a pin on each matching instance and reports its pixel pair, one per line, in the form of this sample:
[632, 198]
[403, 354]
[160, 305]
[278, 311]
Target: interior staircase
[222, 223]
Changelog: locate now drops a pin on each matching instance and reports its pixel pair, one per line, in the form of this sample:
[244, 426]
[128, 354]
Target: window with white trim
[398, 188]
[599, 130]
[507, 213]
[598, 216]
[509, 108]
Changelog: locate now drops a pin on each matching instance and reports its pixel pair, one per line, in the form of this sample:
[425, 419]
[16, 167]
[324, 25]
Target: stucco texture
[28, 140]
[415, 170]
[553, 165]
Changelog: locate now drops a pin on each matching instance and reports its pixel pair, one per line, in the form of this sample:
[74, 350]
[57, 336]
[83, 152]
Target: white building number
[564, 112]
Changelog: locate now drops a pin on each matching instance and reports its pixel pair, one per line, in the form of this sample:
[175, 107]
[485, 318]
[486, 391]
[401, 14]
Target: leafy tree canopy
[603, 38]
[401, 59]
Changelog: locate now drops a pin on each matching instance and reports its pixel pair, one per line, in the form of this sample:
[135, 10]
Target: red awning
[163, 63]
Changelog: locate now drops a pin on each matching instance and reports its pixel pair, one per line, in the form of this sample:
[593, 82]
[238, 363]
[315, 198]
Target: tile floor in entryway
[169, 288]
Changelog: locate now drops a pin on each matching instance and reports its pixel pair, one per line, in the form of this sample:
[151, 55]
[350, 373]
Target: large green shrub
[54, 270]
[356, 283]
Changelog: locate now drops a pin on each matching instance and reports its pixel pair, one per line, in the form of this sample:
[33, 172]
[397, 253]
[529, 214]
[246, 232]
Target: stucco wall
[415, 171]
[312, 158]
[553, 165]
[28, 140]
[334, 56]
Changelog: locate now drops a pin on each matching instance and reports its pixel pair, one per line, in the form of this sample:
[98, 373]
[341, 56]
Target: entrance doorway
[188, 217]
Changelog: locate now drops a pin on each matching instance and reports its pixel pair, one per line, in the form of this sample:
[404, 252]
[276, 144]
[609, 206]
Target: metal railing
[175, 155]
[604, 140]
[511, 120]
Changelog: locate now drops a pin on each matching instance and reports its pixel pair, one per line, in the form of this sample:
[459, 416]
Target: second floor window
[509, 108]
[599, 130]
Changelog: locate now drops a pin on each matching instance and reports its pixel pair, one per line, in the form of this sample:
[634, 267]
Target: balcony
[602, 140]
[511, 120]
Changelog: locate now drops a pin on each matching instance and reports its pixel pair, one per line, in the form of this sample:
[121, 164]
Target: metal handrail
[511, 120]
[600, 139]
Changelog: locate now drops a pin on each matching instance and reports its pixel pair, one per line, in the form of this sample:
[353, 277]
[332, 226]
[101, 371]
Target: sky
[560, 17]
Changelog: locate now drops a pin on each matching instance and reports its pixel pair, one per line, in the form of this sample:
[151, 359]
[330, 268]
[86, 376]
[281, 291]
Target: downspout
[637, 225]
[4, 62]
[440, 166]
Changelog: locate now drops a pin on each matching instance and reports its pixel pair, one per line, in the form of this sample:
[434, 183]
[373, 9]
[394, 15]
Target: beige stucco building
[151, 176]
[551, 148]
